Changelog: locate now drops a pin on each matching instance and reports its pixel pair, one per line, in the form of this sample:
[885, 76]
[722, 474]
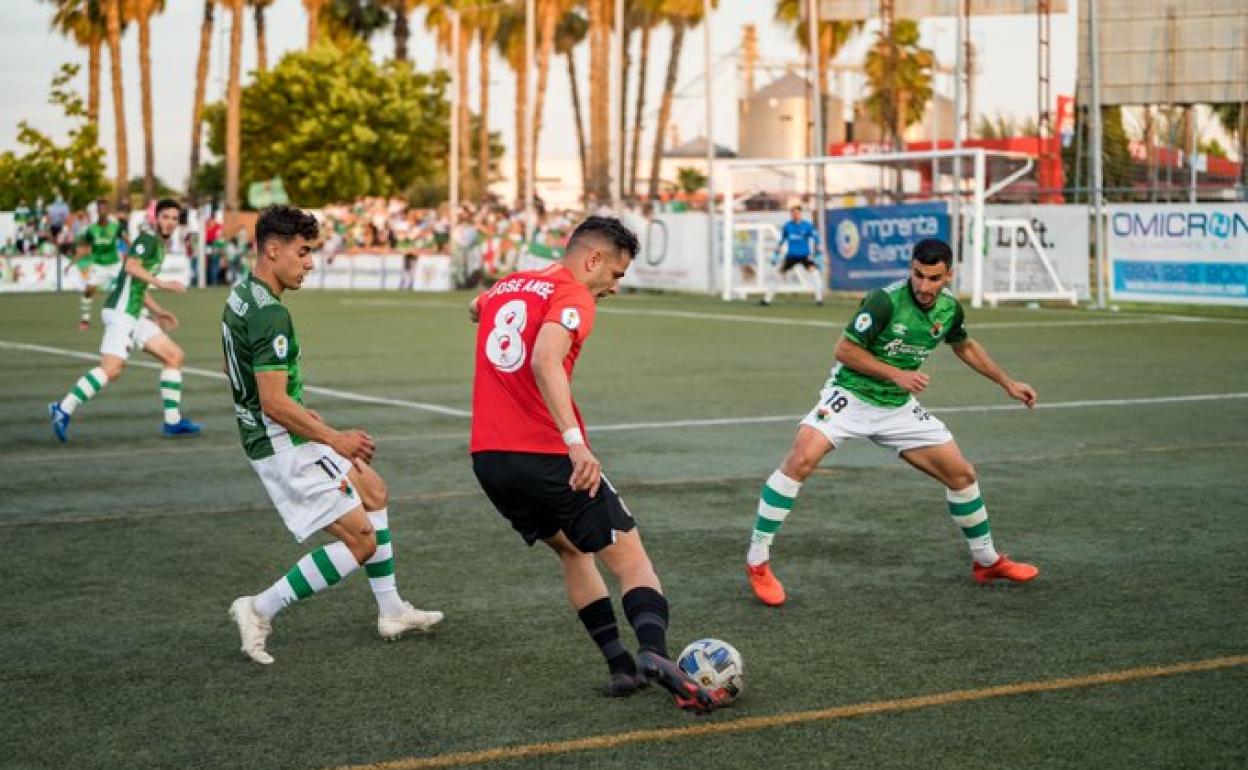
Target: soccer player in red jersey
[531, 457]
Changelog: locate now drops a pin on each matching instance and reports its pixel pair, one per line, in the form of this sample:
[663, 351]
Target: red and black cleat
[689, 695]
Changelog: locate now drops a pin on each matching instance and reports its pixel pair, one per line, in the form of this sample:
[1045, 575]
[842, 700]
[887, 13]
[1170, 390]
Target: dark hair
[167, 203]
[285, 223]
[606, 231]
[930, 251]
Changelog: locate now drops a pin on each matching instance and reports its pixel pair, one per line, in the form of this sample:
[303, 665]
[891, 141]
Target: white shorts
[123, 332]
[102, 276]
[839, 415]
[308, 485]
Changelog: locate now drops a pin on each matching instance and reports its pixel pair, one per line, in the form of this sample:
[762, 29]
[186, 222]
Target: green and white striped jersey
[103, 240]
[257, 335]
[128, 291]
[893, 328]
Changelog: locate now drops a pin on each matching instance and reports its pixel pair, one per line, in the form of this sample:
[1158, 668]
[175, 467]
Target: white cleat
[391, 627]
[253, 629]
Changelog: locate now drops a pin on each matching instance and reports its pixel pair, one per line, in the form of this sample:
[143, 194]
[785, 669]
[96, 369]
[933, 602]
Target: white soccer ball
[716, 665]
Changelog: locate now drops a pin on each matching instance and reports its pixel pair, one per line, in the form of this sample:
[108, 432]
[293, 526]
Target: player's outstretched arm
[549, 351]
[134, 266]
[862, 361]
[285, 411]
[976, 356]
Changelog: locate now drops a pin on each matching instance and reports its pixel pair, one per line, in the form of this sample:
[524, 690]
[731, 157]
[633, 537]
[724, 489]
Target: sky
[30, 55]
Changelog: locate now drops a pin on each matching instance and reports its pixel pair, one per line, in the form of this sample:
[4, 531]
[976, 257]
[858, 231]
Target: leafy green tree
[334, 125]
[690, 179]
[1119, 169]
[75, 169]
[899, 79]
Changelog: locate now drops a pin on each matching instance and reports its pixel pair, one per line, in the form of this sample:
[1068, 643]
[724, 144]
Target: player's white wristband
[573, 436]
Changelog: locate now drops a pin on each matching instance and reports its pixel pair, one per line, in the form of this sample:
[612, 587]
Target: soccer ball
[716, 665]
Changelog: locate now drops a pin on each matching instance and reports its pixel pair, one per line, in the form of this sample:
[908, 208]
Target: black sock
[646, 610]
[599, 620]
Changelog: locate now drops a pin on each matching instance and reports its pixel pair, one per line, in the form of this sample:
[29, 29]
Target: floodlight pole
[819, 146]
[529, 149]
[1094, 147]
[453, 196]
[959, 65]
[1193, 152]
[710, 134]
[616, 144]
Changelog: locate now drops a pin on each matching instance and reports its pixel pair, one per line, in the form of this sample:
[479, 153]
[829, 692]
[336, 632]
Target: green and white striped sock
[774, 505]
[380, 567]
[171, 394]
[971, 515]
[87, 386]
[84, 308]
[316, 571]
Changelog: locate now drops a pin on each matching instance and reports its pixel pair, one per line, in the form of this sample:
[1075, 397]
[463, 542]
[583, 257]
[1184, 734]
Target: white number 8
[505, 346]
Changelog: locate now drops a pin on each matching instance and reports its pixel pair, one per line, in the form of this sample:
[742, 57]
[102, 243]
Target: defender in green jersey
[99, 259]
[132, 318]
[318, 478]
[870, 394]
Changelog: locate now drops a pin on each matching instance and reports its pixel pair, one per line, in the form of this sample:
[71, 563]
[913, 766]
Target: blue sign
[870, 246]
[1182, 280]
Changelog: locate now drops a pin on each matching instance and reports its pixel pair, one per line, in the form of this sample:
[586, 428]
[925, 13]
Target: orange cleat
[766, 587]
[1003, 569]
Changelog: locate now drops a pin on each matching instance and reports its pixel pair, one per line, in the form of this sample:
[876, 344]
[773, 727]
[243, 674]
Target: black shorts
[531, 491]
[792, 262]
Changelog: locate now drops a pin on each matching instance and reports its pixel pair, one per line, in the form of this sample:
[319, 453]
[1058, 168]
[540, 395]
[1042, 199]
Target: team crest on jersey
[822, 414]
[570, 319]
[862, 322]
[937, 328]
[281, 346]
[346, 489]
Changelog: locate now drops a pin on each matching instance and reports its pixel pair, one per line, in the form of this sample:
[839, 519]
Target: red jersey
[508, 412]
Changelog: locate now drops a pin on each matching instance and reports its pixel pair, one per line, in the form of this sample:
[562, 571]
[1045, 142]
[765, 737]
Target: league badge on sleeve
[570, 319]
[862, 322]
[281, 346]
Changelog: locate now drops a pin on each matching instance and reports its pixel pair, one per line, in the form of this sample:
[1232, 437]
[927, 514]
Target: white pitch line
[331, 392]
[689, 315]
[973, 408]
[693, 423]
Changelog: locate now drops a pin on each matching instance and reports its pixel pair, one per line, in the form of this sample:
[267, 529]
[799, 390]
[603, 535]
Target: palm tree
[832, 36]
[438, 20]
[600, 18]
[201, 84]
[402, 29]
[680, 15]
[899, 79]
[83, 22]
[510, 42]
[647, 16]
[113, 24]
[262, 43]
[485, 22]
[142, 12]
[234, 107]
[345, 21]
[313, 8]
[548, 15]
[571, 31]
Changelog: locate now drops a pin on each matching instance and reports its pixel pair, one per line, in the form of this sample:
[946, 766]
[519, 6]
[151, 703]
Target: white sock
[971, 516]
[314, 572]
[87, 386]
[380, 567]
[171, 394]
[774, 506]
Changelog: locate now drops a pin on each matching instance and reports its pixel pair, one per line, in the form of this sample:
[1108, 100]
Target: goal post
[932, 175]
[1029, 275]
